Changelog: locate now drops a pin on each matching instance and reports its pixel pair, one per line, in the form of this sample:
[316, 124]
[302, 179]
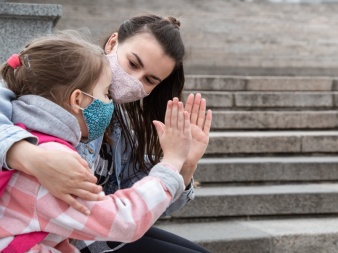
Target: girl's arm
[123, 216]
[127, 214]
[182, 200]
[17, 150]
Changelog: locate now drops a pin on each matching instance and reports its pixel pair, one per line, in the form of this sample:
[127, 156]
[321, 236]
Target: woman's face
[142, 57]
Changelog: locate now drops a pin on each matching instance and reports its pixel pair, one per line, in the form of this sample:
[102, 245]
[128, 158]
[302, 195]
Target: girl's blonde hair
[55, 65]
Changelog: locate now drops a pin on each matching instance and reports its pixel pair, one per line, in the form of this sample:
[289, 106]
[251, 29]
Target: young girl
[61, 83]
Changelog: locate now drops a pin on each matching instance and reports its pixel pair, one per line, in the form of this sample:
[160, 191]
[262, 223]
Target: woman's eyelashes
[134, 66]
[149, 81]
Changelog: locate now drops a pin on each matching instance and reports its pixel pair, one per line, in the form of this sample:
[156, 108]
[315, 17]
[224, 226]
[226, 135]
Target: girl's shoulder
[57, 146]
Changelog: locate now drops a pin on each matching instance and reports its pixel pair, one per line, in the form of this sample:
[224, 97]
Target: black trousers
[154, 241]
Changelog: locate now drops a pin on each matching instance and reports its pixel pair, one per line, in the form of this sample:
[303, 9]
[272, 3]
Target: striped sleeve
[123, 216]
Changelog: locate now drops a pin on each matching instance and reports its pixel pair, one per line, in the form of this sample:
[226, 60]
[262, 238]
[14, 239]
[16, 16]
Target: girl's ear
[108, 48]
[75, 101]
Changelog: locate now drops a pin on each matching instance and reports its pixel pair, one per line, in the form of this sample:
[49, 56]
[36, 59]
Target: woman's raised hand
[174, 134]
[200, 123]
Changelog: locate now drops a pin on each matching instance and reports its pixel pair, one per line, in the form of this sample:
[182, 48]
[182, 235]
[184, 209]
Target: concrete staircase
[269, 178]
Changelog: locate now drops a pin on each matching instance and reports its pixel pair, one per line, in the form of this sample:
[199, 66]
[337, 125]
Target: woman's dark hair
[140, 114]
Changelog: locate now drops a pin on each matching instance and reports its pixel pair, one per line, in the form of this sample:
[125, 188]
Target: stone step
[304, 235]
[260, 83]
[254, 120]
[270, 100]
[261, 200]
[272, 142]
[266, 169]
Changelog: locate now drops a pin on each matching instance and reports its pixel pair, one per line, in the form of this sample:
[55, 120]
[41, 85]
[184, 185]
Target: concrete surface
[252, 37]
[19, 23]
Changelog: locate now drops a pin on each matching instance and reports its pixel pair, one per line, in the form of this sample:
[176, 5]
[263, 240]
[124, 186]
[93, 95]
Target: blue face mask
[97, 116]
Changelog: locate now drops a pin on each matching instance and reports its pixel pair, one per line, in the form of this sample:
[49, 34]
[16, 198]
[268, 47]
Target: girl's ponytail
[7, 72]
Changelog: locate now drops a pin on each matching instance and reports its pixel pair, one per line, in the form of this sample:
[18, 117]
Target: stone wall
[239, 37]
[20, 23]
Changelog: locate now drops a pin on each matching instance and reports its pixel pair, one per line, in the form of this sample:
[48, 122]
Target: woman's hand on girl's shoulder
[71, 178]
[64, 174]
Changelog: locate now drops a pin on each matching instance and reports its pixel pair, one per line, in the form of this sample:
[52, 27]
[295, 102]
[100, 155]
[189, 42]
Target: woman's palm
[200, 123]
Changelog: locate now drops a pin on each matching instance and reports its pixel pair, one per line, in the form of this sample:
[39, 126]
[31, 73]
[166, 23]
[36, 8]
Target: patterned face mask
[97, 116]
[124, 87]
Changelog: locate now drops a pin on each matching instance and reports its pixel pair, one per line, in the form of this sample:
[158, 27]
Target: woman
[150, 50]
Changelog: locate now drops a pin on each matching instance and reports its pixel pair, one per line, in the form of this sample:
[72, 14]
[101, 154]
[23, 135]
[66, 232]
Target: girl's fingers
[201, 114]
[180, 123]
[195, 109]
[167, 118]
[207, 124]
[160, 128]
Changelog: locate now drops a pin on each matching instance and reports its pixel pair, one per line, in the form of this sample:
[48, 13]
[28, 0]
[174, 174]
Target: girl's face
[101, 87]
[81, 100]
[142, 57]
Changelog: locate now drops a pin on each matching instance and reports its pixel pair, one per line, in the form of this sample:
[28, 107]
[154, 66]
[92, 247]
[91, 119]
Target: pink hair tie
[14, 61]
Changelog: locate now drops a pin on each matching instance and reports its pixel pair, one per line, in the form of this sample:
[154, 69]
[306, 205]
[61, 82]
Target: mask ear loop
[88, 95]
[94, 98]
[76, 106]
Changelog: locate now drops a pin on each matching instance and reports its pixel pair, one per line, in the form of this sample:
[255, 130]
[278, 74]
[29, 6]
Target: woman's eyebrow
[138, 59]
[142, 65]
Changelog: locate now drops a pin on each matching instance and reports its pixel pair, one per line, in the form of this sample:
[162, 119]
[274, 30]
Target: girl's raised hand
[174, 134]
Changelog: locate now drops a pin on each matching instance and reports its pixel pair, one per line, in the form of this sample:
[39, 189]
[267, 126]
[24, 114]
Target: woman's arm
[17, 151]
[200, 123]
[9, 134]
[65, 175]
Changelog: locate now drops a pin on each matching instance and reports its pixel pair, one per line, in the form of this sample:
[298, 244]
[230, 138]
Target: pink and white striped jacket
[125, 216]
